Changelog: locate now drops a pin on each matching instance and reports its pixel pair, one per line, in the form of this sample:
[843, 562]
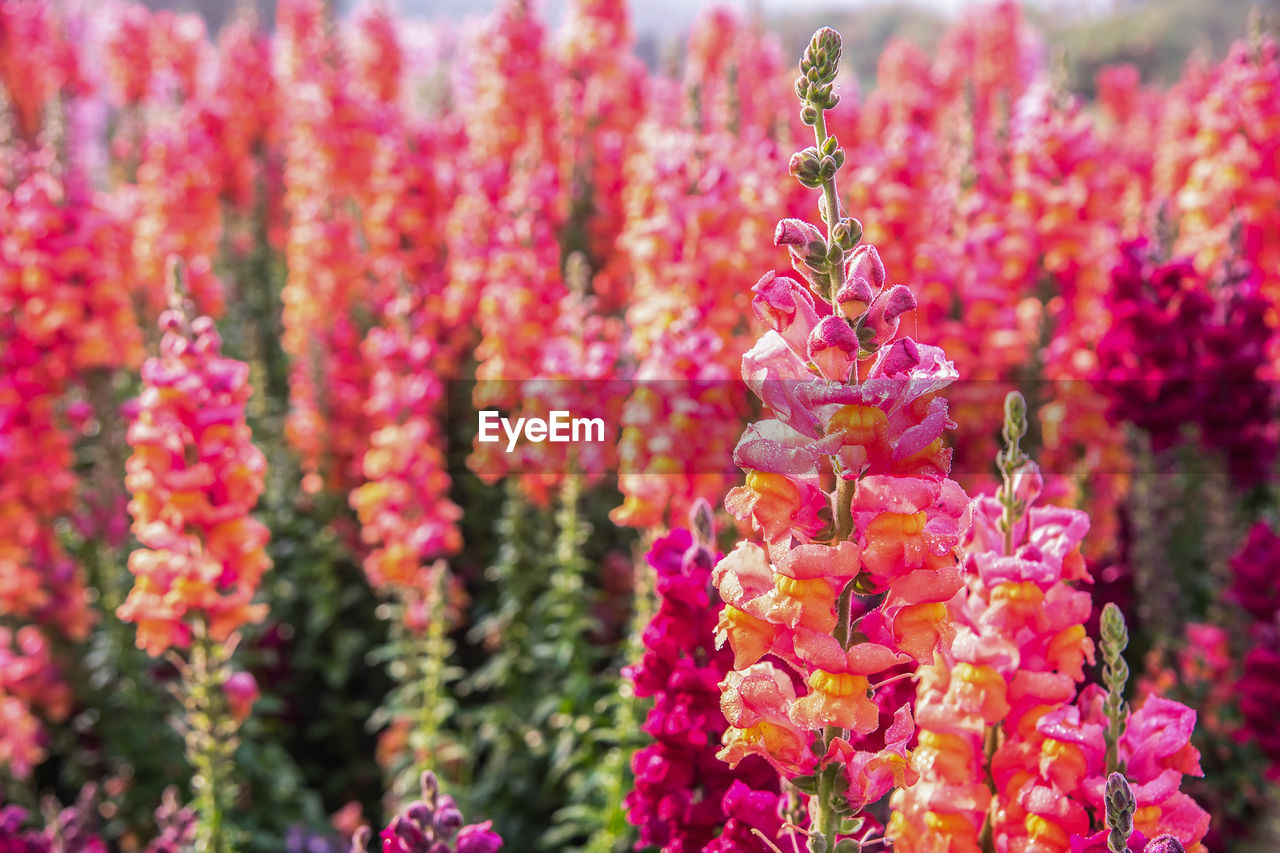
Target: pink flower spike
[833, 346]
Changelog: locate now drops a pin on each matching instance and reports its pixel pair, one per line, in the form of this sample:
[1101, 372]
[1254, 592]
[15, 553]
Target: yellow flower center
[799, 588]
[981, 675]
[902, 524]
[946, 743]
[861, 425]
[1040, 829]
[1016, 594]
[837, 683]
[773, 485]
[774, 738]
[948, 824]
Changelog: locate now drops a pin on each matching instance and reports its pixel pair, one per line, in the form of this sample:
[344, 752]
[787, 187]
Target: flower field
[461, 440]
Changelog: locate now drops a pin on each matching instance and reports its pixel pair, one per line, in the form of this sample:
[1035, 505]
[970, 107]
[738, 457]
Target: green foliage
[121, 734]
[323, 630]
[542, 717]
[419, 664]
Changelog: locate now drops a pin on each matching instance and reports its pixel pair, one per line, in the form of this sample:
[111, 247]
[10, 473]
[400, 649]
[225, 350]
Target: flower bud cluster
[432, 824]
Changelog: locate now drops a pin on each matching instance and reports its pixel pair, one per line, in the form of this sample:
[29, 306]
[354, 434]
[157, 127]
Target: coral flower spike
[853, 405]
[195, 476]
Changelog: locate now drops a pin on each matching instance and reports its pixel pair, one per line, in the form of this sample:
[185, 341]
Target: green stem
[844, 509]
[825, 822]
[990, 743]
[210, 742]
[844, 628]
[433, 652]
[832, 200]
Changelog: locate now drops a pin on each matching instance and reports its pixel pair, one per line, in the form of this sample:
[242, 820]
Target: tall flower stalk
[847, 489]
[1009, 757]
[195, 476]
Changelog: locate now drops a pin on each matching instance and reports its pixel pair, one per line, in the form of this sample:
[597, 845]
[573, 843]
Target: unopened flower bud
[833, 346]
[702, 522]
[1164, 844]
[697, 559]
[1015, 416]
[1028, 483]
[806, 167]
[902, 357]
[808, 249]
[823, 54]
[241, 690]
[888, 307]
[847, 233]
[1120, 800]
[795, 232]
[407, 831]
[171, 320]
[448, 817]
[1114, 631]
[430, 786]
[865, 263]
[854, 298]
[421, 814]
